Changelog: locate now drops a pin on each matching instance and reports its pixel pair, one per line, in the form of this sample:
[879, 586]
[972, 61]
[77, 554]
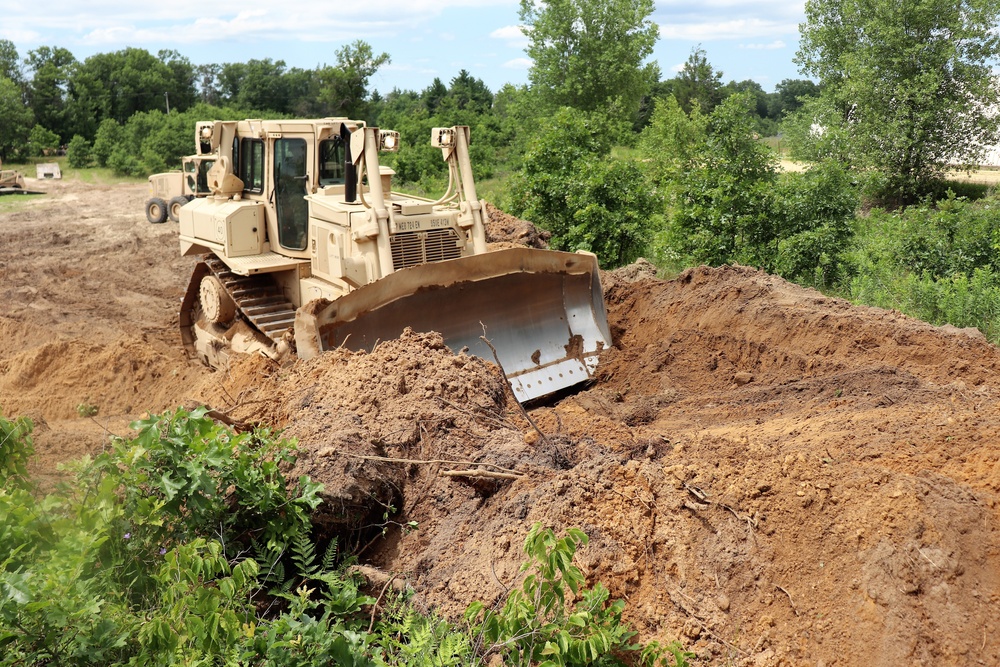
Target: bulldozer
[306, 247]
[170, 190]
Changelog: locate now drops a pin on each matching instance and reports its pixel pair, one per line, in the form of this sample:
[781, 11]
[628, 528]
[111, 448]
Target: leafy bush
[588, 200]
[552, 619]
[16, 449]
[42, 141]
[938, 263]
[78, 152]
[814, 210]
[185, 476]
[723, 205]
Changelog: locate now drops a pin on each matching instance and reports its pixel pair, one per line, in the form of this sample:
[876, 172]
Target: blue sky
[425, 38]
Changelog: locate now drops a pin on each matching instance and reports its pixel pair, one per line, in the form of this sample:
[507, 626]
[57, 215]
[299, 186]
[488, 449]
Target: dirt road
[769, 475]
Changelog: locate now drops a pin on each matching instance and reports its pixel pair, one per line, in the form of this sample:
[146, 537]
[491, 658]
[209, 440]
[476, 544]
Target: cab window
[331, 162]
[251, 154]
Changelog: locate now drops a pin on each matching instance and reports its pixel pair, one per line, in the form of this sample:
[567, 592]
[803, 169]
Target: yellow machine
[303, 233]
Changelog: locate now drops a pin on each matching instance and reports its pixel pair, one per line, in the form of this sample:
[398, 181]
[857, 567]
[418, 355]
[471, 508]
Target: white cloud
[776, 44]
[734, 29]
[512, 35]
[17, 36]
[519, 63]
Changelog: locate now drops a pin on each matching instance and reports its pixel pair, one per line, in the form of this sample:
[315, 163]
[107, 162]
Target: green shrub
[16, 449]
[184, 475]
[78, 153]
[552, 619]
[42, 141]
[723, 205]
[814, 211]
[571, 186]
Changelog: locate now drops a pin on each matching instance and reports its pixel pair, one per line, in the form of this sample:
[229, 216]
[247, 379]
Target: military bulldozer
[172, 189]
[306, 247]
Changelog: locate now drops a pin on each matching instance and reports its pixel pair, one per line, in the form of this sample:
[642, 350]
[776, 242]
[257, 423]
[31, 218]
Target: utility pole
[166, 96]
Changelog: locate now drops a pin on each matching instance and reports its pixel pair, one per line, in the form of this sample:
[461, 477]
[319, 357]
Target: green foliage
[728, 203]
[724, 202]
[79, 152]
[194, 621]
[553, 619]
[588, 200]
[16, 449]
[939, 263]
[814, 210]
[47, 92]
[698, 84]
[589, 54]
[343, 88]
[107, 139]
[184, 475]
[817, 131]
[408, 638]
[152, 142]
[17, 118]
[790, 95]
[912, 78]
[669, 143]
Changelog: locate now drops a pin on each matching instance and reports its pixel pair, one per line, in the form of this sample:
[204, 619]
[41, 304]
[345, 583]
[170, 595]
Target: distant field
[986, 175]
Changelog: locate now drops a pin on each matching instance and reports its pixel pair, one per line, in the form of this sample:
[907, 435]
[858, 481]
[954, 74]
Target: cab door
[290, 178]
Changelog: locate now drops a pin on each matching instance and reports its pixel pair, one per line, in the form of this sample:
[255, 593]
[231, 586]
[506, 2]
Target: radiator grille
[413, 248]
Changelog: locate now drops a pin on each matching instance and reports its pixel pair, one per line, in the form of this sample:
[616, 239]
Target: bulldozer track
[258, 299]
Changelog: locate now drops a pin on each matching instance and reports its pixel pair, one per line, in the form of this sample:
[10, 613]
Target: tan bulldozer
[306, 247]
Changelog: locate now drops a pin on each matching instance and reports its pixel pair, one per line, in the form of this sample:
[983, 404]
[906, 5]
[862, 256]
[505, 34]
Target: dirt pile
[504, 230]
[770, 475]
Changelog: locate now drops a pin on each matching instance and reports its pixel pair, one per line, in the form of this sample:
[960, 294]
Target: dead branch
[483, 474]
[796, 611]
[386, 459]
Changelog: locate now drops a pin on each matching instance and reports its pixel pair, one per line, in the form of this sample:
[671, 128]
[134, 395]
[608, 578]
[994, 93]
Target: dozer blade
[542, 310]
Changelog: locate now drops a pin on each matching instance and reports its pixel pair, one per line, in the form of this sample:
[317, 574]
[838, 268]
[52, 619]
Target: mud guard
[542, 310]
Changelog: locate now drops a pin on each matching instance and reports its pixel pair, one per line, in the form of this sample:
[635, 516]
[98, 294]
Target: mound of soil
[505, 230]
[772, 476]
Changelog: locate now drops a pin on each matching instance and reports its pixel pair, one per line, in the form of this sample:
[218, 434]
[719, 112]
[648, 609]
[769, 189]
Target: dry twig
[796, 611]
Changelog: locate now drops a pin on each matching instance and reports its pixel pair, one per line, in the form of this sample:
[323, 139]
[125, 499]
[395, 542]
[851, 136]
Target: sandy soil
[770, 475]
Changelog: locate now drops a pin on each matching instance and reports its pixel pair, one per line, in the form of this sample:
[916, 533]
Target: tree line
[47, 97]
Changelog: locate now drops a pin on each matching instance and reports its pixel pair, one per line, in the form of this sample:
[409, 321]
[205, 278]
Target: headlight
[388, 141]
[443, 137]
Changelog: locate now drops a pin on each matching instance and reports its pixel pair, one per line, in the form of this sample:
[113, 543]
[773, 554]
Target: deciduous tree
[589, 53]
[698, 83]
[913, 77]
